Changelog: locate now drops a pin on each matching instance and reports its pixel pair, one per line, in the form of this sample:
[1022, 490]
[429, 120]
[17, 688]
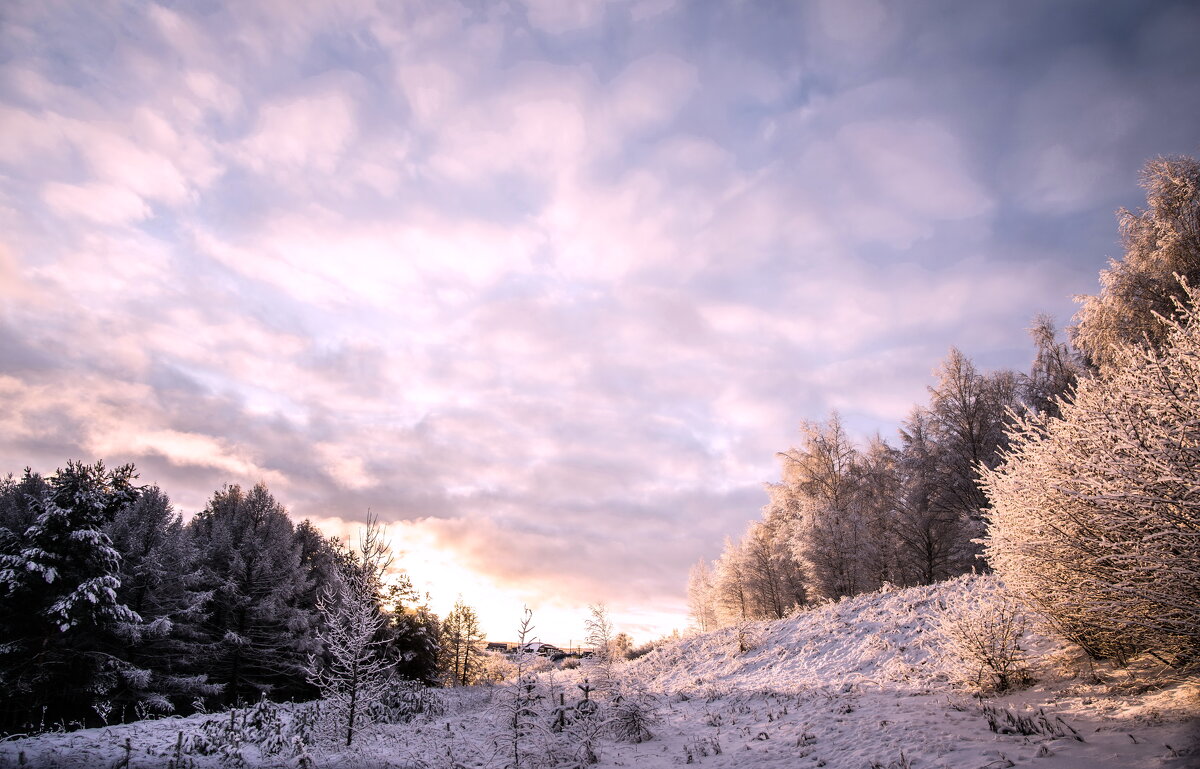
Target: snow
[857, 684]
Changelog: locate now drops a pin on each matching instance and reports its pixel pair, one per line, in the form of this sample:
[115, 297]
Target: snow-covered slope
[860, 684]
[887, 639]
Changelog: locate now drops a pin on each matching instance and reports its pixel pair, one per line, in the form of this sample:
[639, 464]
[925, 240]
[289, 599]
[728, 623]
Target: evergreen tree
[461, 636]
[162, 583]
[251, 560]
[59, 606]
[414, 633]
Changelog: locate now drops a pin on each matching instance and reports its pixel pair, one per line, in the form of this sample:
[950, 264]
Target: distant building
[543, 650]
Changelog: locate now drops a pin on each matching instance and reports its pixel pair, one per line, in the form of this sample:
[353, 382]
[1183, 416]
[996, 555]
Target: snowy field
[860, 684]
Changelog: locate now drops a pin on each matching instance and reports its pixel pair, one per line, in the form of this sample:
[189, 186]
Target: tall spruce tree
[161, 581]
[251, 560]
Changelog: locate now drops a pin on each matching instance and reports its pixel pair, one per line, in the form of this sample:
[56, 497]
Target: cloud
[101, 203]
[544, 286]
[310, 132]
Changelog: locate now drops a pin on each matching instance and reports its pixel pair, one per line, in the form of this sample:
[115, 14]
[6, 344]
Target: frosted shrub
[634, 711]
[493, 668]
[983, 633]
[405, 700]
[1094, 516]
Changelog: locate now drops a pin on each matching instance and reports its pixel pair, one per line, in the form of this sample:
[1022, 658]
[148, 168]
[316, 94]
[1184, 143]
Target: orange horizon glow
[439, 572]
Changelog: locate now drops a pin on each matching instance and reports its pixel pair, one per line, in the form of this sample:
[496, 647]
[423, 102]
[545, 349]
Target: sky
[544, 284]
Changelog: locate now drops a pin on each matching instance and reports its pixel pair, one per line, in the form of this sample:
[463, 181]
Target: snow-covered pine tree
[161, 582]
[58, 593]
[414, 633]
[517, 711]
[255, 624]
[1095, 516]
[356, 671]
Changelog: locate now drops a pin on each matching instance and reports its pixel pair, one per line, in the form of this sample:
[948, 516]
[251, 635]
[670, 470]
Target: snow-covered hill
[859, 684]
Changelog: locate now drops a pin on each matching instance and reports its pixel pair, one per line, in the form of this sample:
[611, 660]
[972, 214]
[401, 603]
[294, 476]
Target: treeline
[113, 608]
[1076, 479]
[846, 518]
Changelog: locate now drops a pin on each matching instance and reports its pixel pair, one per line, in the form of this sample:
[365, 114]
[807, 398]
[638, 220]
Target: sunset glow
[545, 286]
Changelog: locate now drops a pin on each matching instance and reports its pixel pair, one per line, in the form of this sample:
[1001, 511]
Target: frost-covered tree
[702, 596]
[255, 625]
[354, 672]
[517, 711]
[1160, 242]
[461, 636]
[771, 574]
[1095, 515]
[732, 598]
[621, 646]
[879, 492]
[830, 528]
[600, 635]
[59, 579]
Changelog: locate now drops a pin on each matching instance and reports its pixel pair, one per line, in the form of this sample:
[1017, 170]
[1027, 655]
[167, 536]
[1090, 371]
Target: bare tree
[1055, 370]
[931, 536]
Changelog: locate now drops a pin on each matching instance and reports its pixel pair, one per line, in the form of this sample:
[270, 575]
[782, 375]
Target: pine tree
[161, 582]
[255, 626]
[461, 636]
[58, 592]
[413, 632]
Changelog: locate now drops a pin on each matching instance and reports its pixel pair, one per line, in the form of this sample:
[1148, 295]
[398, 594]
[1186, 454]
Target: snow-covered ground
[859, 684]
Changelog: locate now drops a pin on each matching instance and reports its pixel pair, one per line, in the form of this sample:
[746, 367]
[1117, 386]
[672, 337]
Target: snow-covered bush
[634, 711]
[983, 632]
[1095, 516]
